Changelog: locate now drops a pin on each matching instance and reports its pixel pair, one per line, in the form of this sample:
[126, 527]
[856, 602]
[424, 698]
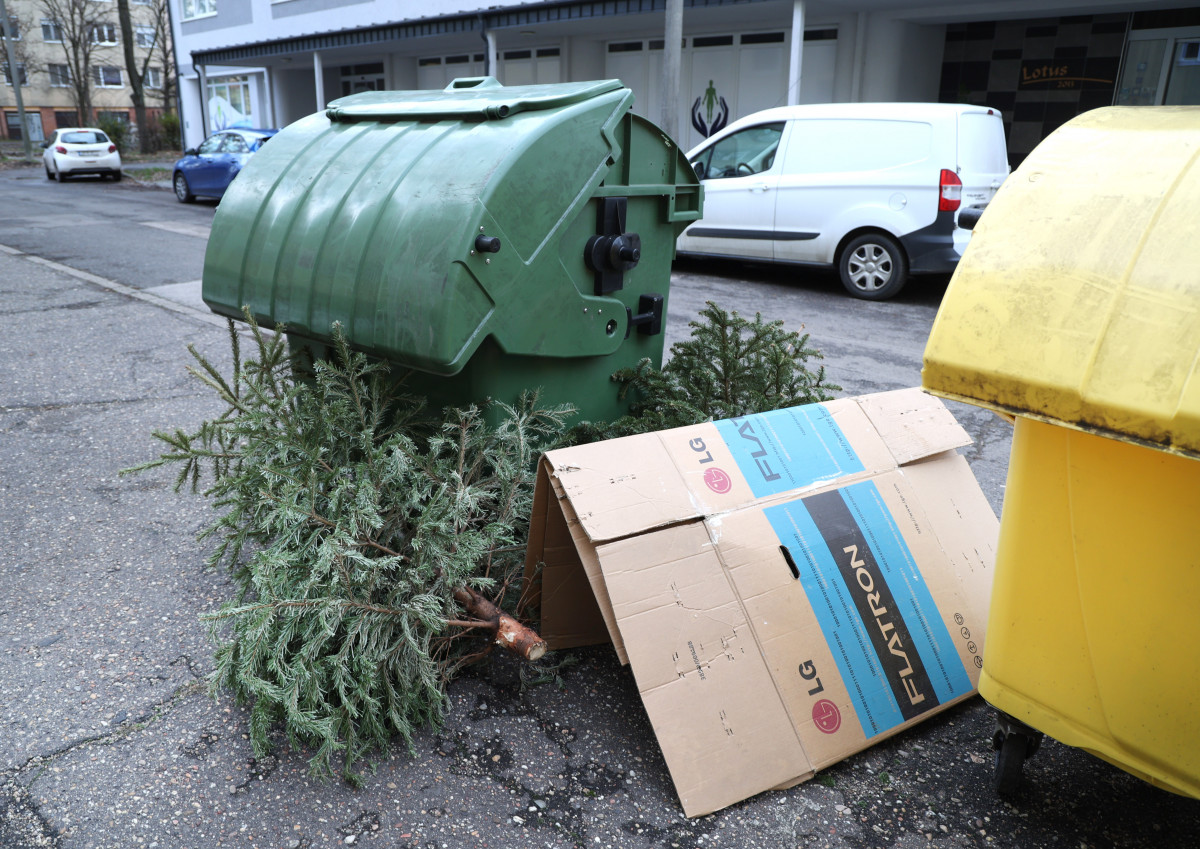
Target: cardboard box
[789, 588]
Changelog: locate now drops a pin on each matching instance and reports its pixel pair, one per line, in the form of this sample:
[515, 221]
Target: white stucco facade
[288, 58]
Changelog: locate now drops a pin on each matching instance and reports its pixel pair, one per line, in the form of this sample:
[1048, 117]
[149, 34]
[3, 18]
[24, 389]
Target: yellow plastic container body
[1092, 632]
[1076, 309]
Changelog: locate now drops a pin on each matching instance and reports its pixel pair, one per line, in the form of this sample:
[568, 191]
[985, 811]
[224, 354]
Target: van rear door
[982, 155]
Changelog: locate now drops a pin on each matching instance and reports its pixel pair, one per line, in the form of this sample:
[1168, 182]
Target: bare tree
[159, 47]
[8, 35]
[78, 22]
[22, 25]
[164, 43]
[137, 76]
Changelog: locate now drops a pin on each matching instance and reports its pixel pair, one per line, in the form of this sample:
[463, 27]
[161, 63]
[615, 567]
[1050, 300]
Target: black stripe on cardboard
[884, 624]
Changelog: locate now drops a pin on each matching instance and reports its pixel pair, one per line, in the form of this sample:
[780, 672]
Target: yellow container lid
[1077, 300]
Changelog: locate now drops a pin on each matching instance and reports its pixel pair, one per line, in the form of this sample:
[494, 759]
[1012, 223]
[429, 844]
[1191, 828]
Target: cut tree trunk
[509, 633]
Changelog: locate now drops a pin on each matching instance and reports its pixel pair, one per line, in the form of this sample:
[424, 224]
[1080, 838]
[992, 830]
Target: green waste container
[490, 239]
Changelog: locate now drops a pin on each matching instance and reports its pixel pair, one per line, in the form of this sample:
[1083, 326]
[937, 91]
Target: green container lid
[465, 98]
[427, 222]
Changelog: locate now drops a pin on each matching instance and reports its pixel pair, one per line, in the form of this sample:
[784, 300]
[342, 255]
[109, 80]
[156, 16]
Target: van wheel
[874, 267]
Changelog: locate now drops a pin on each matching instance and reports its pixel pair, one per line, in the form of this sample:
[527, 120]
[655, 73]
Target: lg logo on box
[716, 479]
[825, 713]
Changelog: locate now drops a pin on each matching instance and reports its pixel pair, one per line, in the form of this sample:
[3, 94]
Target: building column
[319, 80]
[269, 91]
[860, 49]
[797, 53]
[491, 61]
[672, 60]
[203, 80]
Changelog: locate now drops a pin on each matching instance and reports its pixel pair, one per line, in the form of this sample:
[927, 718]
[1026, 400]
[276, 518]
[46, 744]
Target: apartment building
[70, 62]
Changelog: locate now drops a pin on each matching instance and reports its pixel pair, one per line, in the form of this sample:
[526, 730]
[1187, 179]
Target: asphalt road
[109, 739]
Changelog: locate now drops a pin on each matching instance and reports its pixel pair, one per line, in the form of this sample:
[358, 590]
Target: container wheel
[1010, 758]
[1014, 742]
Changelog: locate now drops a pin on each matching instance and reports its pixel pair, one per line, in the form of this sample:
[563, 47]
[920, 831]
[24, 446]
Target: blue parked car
[207, 170]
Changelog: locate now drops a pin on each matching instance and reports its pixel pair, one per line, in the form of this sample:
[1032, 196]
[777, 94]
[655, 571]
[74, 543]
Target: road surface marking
[200, 231]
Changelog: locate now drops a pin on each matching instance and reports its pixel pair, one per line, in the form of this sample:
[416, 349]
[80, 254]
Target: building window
[66, 119]
[60, 75]
[1189, 53]
[153, 78]
[14, 28]
[145, 36]
[104, 33]
[107, 76]
[51, 30]
[15, 131]
[198, 8]
[767, 38]
[20, 73]
[117, 117]
[229, 102]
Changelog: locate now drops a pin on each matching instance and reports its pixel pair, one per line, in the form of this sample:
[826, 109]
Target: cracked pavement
[109, 737]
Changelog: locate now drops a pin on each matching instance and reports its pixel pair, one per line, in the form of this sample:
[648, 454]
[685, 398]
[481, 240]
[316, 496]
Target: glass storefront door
[1161, 67]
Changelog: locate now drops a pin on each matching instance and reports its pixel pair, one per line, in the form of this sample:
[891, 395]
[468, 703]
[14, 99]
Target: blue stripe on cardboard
[912, 594]
[868, 670]
[782, 450]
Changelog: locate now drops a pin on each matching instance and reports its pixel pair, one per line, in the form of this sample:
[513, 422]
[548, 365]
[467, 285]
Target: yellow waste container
[1076, 309]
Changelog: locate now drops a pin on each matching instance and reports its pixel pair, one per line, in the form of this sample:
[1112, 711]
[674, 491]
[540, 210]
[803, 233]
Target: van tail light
[949, 191]
[112, 148]
[58, 148]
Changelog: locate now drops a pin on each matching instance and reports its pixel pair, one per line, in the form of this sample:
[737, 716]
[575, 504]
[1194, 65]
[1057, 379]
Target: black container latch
[613, 251]
[649, 316]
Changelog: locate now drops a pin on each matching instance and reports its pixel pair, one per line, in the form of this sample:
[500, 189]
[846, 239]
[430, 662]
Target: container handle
[473, 82]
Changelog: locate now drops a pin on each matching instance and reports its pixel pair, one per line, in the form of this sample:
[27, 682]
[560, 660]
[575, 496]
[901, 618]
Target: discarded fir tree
[729, 366]
[360, 535]
[372, 542]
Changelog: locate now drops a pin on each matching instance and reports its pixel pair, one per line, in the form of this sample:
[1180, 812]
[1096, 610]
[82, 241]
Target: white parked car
[873, 189]
[80, 150]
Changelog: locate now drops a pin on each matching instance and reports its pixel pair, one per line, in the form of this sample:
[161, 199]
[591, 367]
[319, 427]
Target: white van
[871, 188]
